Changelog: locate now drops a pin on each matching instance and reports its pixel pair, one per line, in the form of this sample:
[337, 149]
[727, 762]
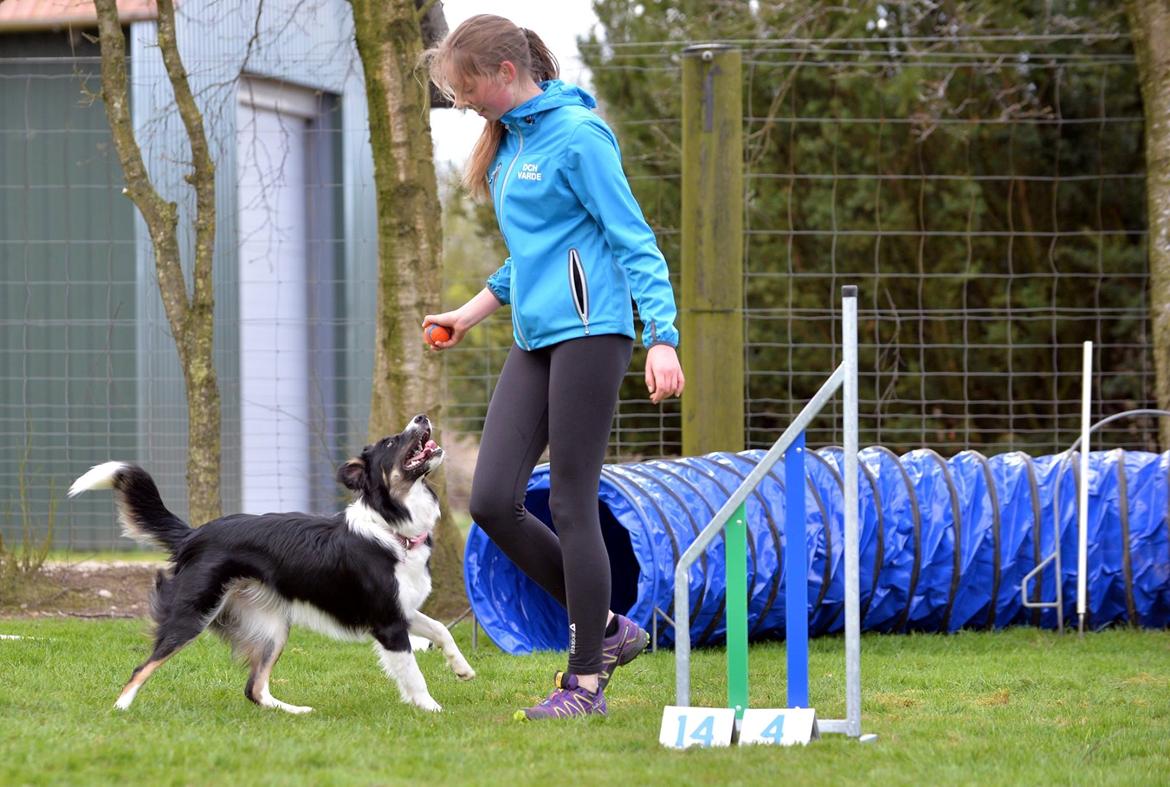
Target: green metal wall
[67, 292]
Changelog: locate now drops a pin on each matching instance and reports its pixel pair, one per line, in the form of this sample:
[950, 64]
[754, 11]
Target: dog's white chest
[414, 579]
[410, 572]
[423, 508]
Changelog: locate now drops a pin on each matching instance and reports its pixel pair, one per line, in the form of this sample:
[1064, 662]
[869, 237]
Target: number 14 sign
[683, 727]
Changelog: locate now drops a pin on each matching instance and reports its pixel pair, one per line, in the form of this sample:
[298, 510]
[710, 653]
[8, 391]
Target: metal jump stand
[731, 520]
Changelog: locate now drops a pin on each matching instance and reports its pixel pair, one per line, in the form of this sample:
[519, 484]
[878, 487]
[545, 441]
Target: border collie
[363, 572]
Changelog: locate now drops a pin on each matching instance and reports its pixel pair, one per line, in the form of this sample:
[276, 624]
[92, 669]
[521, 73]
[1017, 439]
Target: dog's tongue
[424, 453]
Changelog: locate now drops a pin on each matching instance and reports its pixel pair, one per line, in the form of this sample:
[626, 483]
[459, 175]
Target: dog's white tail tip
[98, 477]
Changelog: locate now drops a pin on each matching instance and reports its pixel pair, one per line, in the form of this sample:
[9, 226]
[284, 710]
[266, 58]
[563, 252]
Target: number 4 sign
[779, 726]
[686, 727]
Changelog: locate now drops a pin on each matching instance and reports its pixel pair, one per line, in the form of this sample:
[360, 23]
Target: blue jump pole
[795, 575]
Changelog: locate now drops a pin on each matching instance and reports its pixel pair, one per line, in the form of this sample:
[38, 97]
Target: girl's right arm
[463, 319]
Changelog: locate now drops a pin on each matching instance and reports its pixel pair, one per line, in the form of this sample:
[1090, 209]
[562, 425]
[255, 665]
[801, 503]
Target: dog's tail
[140, 508]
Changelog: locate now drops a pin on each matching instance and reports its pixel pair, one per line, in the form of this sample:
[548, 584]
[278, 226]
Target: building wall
[310, 46]
[88, 368]
[68, 295]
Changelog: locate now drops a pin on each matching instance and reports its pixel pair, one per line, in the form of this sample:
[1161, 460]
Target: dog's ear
[351, 474]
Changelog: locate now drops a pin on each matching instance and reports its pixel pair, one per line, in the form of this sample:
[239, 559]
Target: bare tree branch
[203, 177]
[191, 317]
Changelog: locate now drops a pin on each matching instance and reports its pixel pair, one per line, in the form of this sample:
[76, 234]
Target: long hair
[476, 49]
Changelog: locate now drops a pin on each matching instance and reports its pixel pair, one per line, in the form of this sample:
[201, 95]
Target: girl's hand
[463, 319]
[664, 376]
[452, 322]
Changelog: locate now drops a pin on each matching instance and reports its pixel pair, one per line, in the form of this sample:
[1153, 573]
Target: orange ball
[437, 333]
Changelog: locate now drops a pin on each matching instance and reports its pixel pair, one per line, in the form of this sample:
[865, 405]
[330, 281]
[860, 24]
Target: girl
[579, 248]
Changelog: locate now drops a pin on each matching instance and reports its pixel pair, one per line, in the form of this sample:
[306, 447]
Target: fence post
[712, 341]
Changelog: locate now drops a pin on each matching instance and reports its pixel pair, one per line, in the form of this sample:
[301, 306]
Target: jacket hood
[556, 94]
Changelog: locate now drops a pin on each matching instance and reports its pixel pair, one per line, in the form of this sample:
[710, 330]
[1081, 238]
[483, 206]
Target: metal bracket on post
[658, 613]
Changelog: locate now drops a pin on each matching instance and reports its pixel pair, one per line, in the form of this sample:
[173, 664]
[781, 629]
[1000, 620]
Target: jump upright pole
[795, 575]
[852, 529]
[735, 561]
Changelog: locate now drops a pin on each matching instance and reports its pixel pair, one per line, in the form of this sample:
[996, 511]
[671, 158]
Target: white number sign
[779, 726]
[685, 727]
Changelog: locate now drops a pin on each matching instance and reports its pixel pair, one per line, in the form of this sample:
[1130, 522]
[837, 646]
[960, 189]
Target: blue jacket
[578, 245]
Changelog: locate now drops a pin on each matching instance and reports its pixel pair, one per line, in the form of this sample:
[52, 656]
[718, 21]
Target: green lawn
[106, 556]
[1017, 707]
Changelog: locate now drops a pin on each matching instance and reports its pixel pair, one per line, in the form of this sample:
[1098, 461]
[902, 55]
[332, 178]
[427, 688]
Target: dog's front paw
[284, 706]
[463, 671]
[427, 702]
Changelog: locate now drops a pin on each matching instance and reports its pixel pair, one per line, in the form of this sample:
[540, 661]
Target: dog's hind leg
[183, 605]
[171, 637]
[437, 633]
[262, 654]
[263, 659]
[392, 645]
[255, 621]
[137, 678]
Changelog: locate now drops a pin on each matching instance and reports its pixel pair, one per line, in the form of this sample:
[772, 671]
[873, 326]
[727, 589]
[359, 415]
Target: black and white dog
[359, 573]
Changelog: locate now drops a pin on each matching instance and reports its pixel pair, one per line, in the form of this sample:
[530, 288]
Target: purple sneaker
[567, 699]
[622, 647]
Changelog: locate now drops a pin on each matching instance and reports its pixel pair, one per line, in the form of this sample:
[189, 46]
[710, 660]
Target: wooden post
[712, 340]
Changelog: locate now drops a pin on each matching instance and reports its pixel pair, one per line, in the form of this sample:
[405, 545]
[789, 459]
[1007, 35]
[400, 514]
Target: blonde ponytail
[543, 65]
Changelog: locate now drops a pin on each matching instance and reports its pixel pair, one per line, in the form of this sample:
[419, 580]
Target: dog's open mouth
[421, 452]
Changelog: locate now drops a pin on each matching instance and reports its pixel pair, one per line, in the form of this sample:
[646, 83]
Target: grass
[1015, 707]
[69, 556]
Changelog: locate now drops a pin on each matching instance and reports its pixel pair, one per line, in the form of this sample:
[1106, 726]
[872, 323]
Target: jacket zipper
[579, 287]
[503, 189]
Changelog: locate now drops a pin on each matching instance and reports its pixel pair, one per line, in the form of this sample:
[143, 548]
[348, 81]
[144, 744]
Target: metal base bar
[833, 726]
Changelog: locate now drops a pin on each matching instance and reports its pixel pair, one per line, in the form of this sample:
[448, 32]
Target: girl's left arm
[594, 170]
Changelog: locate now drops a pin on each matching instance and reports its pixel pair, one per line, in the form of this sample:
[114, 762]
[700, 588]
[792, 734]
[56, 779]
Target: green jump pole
[735, 560]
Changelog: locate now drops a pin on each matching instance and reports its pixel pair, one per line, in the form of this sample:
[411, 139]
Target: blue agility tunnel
[944, 544]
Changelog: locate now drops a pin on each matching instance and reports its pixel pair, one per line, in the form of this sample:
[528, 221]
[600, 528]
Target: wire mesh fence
[985, 193]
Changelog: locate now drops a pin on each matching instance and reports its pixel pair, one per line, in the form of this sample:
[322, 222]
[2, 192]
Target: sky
[557, 22]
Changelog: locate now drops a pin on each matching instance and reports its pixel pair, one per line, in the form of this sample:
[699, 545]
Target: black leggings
[562, 397]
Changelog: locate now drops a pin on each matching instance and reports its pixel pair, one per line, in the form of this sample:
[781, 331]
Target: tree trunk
[191, 317]
[406, 374]
[1149, 24]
